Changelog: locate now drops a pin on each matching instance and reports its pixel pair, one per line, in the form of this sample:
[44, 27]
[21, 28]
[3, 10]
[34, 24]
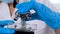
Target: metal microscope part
[23, 17]
[16, 16]
[26, 16]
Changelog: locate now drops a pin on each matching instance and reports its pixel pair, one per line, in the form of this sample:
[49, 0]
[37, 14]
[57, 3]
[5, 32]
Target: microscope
[24, 18]
[23, 29]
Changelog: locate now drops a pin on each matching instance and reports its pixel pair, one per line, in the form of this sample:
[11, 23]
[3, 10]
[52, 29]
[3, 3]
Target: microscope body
[22, 27]
[24, 18]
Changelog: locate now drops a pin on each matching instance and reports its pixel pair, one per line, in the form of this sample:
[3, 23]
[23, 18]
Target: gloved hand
[26, 6]
[43, 13]
[50, 17]
[6, 22]
[6, 30]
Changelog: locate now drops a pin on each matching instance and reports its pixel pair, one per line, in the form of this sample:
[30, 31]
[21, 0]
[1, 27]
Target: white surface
[55, 1]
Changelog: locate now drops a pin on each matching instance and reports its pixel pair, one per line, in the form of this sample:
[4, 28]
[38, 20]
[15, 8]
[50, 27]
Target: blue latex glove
[50, 17]
[6, 22]
[43, 13]
[25, 7]
[6, 30]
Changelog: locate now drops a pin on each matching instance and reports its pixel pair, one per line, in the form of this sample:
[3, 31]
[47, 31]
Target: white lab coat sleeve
[4, 12]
